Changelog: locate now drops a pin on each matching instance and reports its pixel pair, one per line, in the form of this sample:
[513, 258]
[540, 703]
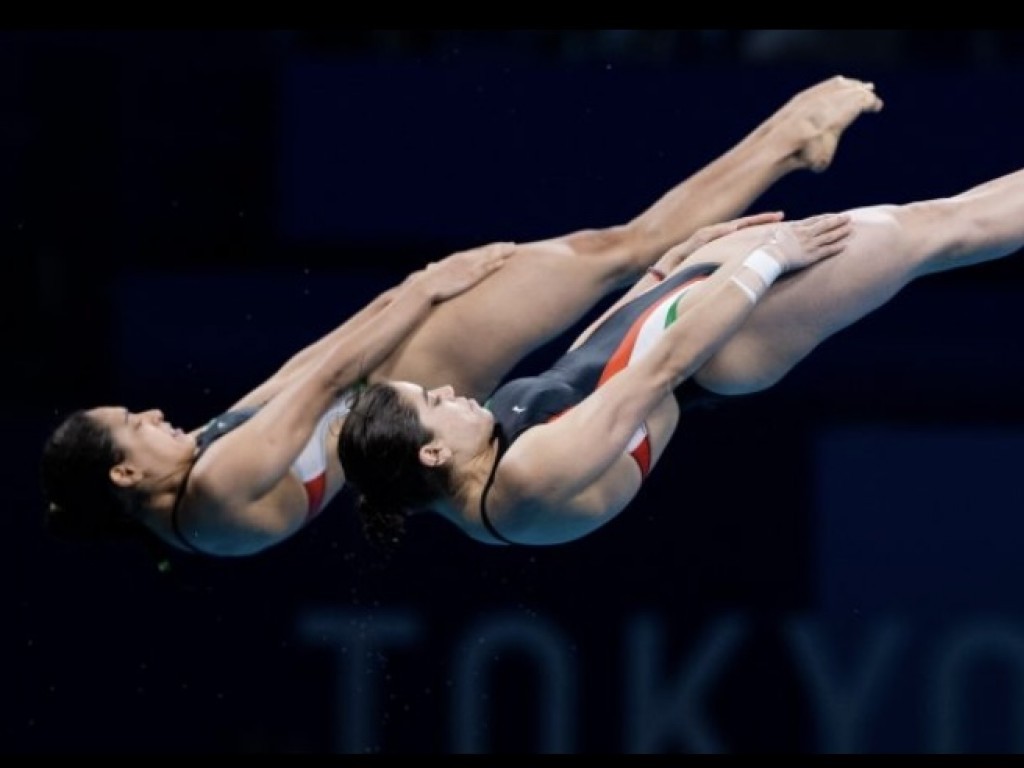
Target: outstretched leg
[474, 340]
[891, 246]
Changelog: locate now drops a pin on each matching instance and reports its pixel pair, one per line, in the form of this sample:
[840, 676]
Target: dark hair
[81, 501]
[379, 451]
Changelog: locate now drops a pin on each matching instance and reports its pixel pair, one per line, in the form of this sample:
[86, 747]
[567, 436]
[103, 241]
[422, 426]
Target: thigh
[473, 340]
[804, 309]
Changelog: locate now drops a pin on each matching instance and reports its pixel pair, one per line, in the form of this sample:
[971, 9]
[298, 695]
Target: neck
[158, 508]
[477, 473]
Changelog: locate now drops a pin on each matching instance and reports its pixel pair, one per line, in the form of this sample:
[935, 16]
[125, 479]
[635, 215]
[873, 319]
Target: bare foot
[817, 116]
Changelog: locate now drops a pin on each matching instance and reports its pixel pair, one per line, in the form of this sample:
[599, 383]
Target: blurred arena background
[181, 210]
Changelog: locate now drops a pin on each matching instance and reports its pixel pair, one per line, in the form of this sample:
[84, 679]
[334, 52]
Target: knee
[889, 230]
[934, 229]
[611, 250]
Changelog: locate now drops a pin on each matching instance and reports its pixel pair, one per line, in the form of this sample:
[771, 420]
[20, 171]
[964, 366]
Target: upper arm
[251, 460]
[568, 454]
[234, 526]
[573, 473]
[534, 517]
[254, 457]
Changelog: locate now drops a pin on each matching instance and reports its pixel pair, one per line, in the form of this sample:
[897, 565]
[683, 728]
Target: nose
[155, 414]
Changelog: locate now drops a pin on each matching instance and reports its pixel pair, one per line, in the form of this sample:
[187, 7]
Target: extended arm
[355, 326]
[677, 254]
[301, 361]
[245, 464]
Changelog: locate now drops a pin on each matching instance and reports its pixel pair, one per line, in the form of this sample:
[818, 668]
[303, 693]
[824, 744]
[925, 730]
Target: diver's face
[459, 423]
[152, 446]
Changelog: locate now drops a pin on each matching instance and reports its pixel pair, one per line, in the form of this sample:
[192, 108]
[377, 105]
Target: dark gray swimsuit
[525, 402]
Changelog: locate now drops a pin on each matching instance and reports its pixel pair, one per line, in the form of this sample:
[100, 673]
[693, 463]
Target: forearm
[278, 432]
[473, 265]
[717, 309]
[353, 325]
[675, 256]
[302, 361]
[355, 354]
[708, 317]
[704, 327]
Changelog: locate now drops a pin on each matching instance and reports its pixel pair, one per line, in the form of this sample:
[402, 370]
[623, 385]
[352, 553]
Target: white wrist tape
[764, 265]
[751, 294]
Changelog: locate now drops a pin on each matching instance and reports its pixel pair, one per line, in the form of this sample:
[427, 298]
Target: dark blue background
[840, 571]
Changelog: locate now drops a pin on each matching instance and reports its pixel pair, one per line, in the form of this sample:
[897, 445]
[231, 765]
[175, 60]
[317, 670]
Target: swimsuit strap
[499, 435]
[175, 516]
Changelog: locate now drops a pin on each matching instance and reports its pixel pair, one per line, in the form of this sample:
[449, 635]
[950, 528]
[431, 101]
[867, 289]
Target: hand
[675, 256]
[799, 244]
[461, 270]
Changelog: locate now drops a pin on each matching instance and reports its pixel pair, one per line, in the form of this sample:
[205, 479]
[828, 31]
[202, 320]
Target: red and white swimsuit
[311, 465]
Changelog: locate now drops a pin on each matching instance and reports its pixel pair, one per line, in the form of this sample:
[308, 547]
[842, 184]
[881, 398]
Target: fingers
[710, 232]
[827, 235]
[501, 255]
[497, 262]
[834, 241]
[482, 260]
[821, 220]
[812, 239]
[821, 227]
[484, 252]
[462, 269]
[492, 256]
[499, 250]
[756, 218]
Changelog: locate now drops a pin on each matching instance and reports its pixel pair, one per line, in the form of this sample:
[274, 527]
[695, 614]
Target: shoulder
[519, 485]
[525, 474]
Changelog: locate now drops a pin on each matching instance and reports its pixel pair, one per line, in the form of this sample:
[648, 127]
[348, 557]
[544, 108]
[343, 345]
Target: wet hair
[379, 450]
[81, 502]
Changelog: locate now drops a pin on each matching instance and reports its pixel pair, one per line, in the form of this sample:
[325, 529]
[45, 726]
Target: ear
[435, 454]
[124, 475]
